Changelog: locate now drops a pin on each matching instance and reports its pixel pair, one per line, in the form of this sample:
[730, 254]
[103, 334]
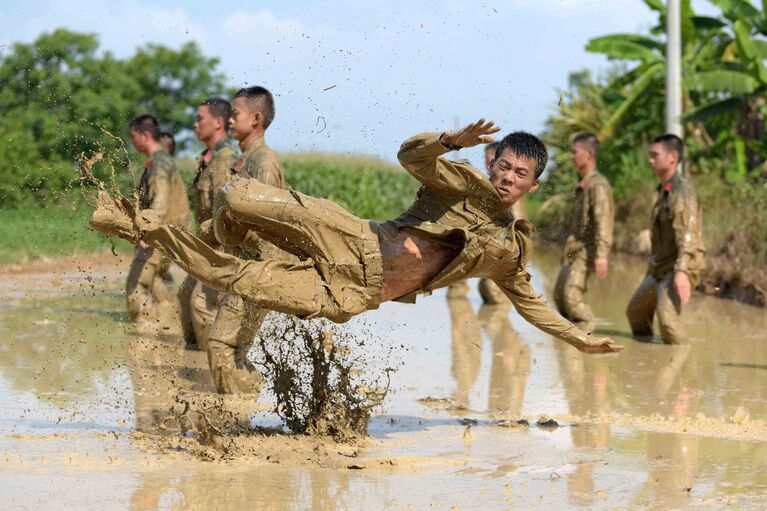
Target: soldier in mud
[590, 234]
[168, 143]
[488, 290]
[238, 320]
[677, 254]
[199, 303]
[459, 227]
[161, 193]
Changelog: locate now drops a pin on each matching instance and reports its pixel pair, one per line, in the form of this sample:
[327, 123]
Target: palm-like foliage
[724, 79]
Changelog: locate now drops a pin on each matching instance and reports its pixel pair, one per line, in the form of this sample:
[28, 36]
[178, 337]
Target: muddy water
[85, 404]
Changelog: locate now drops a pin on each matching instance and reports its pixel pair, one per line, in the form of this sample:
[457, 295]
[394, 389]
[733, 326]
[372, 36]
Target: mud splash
[319, 377]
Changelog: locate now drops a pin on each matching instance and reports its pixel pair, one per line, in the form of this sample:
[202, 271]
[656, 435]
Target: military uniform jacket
[591, 223]
[457, 206]
[677, 240]
[259, 161]
[161, 190]
[213, 172]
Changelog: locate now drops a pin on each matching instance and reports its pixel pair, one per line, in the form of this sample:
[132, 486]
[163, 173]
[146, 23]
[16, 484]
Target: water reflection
[510, 359]
[61, 350]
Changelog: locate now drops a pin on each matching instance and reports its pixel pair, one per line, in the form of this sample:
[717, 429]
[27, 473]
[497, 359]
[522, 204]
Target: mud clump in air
[319, 377]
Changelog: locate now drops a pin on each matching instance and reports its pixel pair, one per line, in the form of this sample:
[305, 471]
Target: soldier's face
[581, 156]
[513, 176]
[205, 124]
[661, 160]
[243, 119]
[137, 139]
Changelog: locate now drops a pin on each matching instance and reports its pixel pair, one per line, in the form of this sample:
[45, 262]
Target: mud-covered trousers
[570, 289]
[339, 275]
[145, 284]
[656, 296]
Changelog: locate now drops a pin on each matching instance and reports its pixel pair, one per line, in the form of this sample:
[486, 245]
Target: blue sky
[397, 67]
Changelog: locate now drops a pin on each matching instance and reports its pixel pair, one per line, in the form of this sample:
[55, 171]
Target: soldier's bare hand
[600, 267]
[601, 345]
[683, 287]
[474, 134]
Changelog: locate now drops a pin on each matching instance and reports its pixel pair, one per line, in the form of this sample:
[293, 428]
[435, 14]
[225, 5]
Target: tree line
[62, 98]
[724, 85]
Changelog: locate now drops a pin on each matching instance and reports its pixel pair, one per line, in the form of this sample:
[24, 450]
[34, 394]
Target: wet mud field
[484, 411]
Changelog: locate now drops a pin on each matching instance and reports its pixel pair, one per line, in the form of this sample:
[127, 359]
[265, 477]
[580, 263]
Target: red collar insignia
[238, 165]
[583, 183]
[668, 186]
[207, 156]
[148, 163]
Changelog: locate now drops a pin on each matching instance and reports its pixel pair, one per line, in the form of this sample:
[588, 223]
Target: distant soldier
[168, 143]
[238, 320]
[199, 303]
[590, 234]
[161, 190]
[677, 254]
[488, 290]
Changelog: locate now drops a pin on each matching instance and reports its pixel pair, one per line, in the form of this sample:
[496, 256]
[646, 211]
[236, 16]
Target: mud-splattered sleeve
[420, 156]
[686, 228]
[159, 188]
[534, 309]
[604, 212]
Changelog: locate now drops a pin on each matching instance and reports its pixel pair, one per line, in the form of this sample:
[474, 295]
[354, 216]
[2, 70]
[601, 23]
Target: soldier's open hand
[601, 345]
[474, 134]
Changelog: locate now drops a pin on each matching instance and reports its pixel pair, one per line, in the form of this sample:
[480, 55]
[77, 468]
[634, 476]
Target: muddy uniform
[161, 190]
[341, 273]
[677, 245]
[199, 303]
[590, 236]
[237, 320]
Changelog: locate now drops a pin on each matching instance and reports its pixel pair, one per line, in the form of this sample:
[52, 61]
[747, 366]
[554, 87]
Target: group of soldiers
[677, 250]
[261, 246]
[223, 324]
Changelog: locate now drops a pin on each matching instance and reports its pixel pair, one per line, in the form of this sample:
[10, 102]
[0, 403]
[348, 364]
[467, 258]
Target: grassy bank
[734, 226]
[369, 187]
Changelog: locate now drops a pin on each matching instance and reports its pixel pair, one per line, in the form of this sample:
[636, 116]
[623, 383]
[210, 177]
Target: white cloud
[262, 27]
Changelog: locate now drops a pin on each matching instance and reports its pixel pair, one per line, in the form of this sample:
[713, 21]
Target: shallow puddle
[84, 401]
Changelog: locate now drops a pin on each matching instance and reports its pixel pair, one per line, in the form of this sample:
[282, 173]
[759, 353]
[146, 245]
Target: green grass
[368, 187]
[49, 232]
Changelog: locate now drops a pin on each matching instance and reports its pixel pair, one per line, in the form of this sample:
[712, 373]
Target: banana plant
[702, 38]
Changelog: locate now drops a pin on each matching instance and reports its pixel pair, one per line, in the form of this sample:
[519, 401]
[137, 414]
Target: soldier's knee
[244, 198]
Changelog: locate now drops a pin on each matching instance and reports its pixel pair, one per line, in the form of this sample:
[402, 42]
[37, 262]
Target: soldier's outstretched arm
[420, 155]
[537, 312]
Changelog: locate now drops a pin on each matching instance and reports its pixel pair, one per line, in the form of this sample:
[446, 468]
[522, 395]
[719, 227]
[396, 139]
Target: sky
[354, 76]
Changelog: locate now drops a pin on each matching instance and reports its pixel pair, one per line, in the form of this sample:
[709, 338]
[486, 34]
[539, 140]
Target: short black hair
[146, 123]
[527, 145]
[219, 107]
[171, 142]
[264, 96]
[588, 139]
[671, 143]
[492, 146]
